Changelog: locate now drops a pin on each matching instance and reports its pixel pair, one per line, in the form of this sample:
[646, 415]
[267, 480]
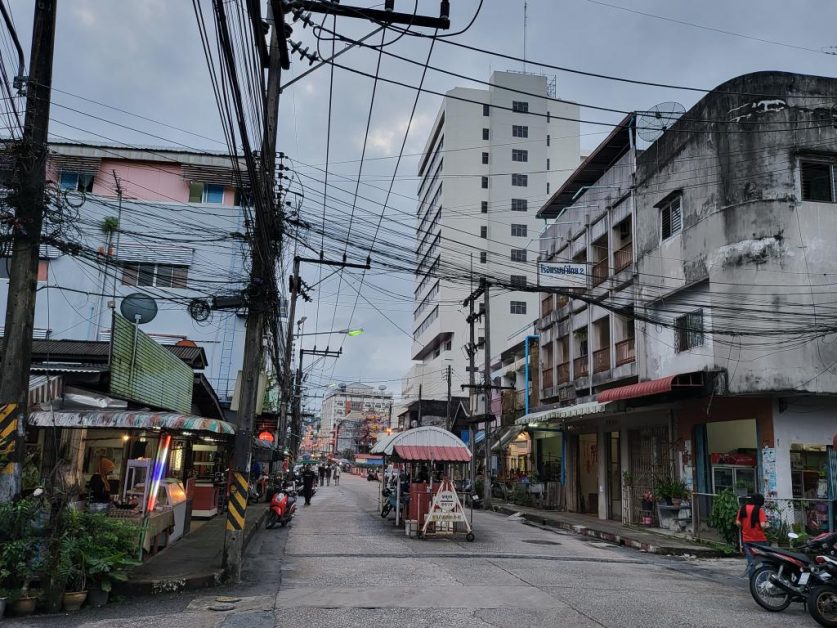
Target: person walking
[329, 471]
[752, 520]
[337, 475]
[321, 471]
[308, 480]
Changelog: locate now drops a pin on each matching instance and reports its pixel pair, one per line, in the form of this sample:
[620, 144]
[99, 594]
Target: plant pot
[675, 501]
[23, 606]
[2, 606]
[73, 600]
[97, 597]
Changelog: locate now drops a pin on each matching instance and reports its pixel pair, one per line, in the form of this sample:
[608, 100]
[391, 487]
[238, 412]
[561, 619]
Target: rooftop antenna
[651, 124]
[525, 25]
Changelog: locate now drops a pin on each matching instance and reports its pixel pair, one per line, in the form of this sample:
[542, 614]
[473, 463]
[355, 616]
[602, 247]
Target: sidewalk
[647, 540]
[192, 562]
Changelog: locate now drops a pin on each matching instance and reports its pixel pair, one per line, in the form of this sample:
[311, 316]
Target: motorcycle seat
[804, 558]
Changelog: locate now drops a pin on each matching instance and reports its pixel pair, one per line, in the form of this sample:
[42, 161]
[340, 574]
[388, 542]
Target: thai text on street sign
[562, 275]
[445, 508]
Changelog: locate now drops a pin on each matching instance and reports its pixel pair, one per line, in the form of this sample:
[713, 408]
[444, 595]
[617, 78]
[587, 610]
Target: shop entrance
[588, 473]
[614, 476]
[731, 448]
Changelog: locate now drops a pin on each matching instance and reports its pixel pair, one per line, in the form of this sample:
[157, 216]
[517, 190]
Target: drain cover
[227, 600]
[540, 542]
[222, 607]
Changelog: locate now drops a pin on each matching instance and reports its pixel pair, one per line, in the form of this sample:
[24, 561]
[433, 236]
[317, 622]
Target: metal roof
[132, 420]
[591, 169]
[433, 453]
[98, 352]
[426, 436]
[567, 412]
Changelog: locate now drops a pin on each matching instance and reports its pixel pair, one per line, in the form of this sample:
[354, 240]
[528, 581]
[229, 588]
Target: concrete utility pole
[261, 269]
[287, 388]
[486, 347]
[448, 425]
[296, 424]
[472, 432]
[30, 187]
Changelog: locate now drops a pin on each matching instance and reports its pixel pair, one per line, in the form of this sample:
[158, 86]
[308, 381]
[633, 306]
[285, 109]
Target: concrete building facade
[491, 159]
[346, 406]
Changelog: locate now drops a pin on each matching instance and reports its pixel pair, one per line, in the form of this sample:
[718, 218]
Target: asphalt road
[339, 564]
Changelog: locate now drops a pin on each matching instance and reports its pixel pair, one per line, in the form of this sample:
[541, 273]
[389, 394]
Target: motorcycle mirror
[793, 535]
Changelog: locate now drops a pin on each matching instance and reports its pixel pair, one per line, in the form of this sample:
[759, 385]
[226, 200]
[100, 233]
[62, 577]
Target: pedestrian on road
[753, 521]
[337, 475]
[328, 475]
[321, 471]
[308, 480]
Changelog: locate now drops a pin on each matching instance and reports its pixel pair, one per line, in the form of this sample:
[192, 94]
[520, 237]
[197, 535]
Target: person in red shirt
[753, 521]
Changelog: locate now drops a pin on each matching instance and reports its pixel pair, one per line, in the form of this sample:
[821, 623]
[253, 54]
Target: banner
[562, 275]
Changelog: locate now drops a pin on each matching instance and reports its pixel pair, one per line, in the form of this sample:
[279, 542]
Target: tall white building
[354, 402]
[492, 159]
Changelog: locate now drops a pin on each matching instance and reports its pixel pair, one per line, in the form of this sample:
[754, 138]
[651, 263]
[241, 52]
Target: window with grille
[517, 307]
[519, 205]
[485, 158]
[485, 134]
[483, 257]
[671, 218]
[819, 181]
[518, 255]
[484, 182]
[688, 330]
[154, 275]
[519, 230]
[520, 131]
[520, 106]
[518, 281]
[486, 110]
[520, 180]
[484, 207]
[206, 193]
[483, 231]
[520, 155]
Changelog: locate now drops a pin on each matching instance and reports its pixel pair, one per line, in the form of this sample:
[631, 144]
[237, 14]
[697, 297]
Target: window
[520, 106]
[518, 255]
[520, 131]
[547, 117]
[485, 134]
[517, 307]
[206, 193]
[75, 182]
[486, 110]
[547, 140]
[485, 158]
[819, 182]
[671, 218]
[6, 262]
[547, 163]
[448, 345]
[518, 281]
[484, 182]
[520, 155]
[484, 207]
[688, 330]
[519, 205]
[154, 275]
[483, 231]
[547, 187]
[483, 257]
[520, 180]
[518, 230]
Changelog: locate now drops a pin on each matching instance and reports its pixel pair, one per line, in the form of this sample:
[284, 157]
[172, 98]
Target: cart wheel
[470, 537]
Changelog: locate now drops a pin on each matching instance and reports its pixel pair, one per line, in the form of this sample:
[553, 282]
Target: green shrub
[724, 513]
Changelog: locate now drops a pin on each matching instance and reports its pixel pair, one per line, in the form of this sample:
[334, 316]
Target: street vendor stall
[434, 506]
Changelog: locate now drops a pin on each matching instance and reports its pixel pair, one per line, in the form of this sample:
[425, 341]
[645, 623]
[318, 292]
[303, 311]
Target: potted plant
[4, 596]
[72, 568]
[20, 559]
[103, 571]
[110, 557]
[664, 490]
[679, 492]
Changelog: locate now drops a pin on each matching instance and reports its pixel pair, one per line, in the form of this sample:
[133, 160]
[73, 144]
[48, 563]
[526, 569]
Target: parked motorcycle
[282, 508]
[783, 577]
[822, 598]
[391, 497]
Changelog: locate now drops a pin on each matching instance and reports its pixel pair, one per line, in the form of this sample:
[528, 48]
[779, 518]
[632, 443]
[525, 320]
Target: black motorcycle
[783, 576]
[822, 598]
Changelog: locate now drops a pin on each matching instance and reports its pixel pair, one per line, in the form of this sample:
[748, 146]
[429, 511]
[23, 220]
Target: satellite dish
[138, 308]
[382, 388]
[653, 123]
[199, 310]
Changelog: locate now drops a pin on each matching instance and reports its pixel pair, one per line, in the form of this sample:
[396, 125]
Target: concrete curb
[203, 580]
[625, 540]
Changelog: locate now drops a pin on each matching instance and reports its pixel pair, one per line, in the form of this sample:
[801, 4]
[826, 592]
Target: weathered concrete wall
[764, 254]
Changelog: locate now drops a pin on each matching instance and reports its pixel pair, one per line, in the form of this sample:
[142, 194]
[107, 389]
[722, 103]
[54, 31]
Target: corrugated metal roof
[132, 420]
[97, 351]
[433, 453]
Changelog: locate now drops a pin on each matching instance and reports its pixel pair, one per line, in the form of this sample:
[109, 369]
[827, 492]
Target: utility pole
[30, 202]
[486, 348]
[418, 423]
[295, 285]
[261, 270]
[447, 411]
[472, 432]
[296, 424]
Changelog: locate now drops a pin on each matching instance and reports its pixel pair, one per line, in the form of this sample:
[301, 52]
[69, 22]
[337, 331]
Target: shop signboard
[144, 371]
[768, 466]
[562, 275]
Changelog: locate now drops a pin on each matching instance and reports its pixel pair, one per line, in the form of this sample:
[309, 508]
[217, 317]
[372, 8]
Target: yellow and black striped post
[9, 438]
[237, 503]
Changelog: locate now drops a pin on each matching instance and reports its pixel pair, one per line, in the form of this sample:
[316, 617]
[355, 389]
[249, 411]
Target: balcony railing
[580, 367]
[601, 360]
[547, 377]
[625, 352]
[564, 373]
[624, 257]
[600, 271]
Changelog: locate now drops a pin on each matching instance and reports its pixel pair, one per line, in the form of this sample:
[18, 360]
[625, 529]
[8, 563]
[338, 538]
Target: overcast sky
[145, 57]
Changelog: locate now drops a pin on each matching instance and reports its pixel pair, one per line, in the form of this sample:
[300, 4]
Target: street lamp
[347, 332]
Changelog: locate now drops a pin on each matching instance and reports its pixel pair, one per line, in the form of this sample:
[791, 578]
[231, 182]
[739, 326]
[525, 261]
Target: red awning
[651, 387]
[435, 453]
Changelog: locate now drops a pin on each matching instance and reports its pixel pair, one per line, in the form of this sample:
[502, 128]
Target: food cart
[434, 507]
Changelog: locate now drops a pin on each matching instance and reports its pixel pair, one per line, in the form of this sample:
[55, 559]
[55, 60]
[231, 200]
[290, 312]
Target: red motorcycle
[282, 508]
